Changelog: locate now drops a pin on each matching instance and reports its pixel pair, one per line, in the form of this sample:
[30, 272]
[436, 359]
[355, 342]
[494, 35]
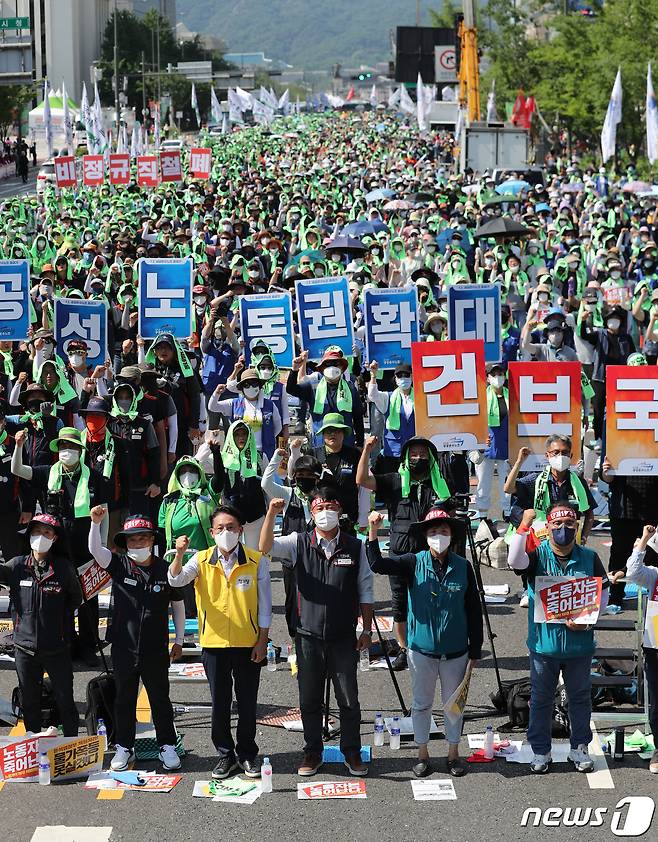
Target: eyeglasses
[559, 453]
[224, 529]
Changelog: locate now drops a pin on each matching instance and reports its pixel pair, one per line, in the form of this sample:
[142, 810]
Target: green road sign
[14, 23]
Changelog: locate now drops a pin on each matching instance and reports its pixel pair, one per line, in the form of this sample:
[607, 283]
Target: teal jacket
[555, 640]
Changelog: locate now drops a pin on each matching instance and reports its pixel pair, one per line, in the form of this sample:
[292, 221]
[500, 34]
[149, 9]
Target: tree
[12, 100]
[445, 17]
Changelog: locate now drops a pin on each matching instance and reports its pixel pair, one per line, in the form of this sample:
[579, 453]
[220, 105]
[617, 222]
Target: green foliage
[12, 100]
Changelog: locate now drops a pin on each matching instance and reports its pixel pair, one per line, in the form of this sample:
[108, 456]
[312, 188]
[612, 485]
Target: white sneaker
[581, 759]
[523, 602]
[122, 757]
[540, 763]
[169, 759]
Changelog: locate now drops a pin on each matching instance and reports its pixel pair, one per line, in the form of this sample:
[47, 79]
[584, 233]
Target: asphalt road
[14, 186]
[491, 799]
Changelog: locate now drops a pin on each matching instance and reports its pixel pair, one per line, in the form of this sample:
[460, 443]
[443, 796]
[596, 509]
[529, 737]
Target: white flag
[406, 102]
[424, 97]
[47, 118]
[136, 141]
[195, 106]
[245, 99]
[284, 102]
[156, 126]
[225, 126]
[459, 125]
[96, 123]
[268, 98]
[234, 107]
[262, 113]
[85, 116]
[652, 120]
[612, 118]
[215, 107]
[394, 98]
[68, 121]
[373, 96]
[492, 116]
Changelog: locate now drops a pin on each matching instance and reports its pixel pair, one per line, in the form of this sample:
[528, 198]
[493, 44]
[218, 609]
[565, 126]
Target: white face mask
[614, 324]
[439, 543]
[615, 275]
[47, 351]
[542, 296]
[188, 479]
[200, 300]
[403, 383]
[498, 380]
[267, 373]
[40, 544]
[514, 269]
[336, 257]
[559, 463]
[227, 541]
[332, 372]
[139, 555]
[326, 519]
[69, 457]
[489, 262]
[77, 360]
[254, 273]
[251, 392]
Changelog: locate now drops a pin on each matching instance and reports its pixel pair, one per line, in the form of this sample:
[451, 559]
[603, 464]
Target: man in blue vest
[556, 647]
[333, 393]
[397, 407]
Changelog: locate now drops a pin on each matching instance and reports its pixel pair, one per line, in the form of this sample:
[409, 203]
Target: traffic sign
[14, 23]
[445, 61]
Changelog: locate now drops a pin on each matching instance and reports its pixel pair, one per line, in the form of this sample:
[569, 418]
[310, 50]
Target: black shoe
[226, 765]
[251, 768]
[422, 769]
[456, 767]
[399, 663]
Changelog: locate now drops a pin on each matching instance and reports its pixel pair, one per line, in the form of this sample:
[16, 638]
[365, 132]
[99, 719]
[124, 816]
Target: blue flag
[165, 297]
[268, 316]
[14, 300]
[86, 320]
[474, 313]
[325, 316]
[391, 324]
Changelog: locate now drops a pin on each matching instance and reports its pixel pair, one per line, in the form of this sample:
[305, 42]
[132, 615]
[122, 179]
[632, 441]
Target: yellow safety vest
[227, 608]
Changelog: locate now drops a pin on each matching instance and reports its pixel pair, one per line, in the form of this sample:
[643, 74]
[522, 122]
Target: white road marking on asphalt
[600, 778]
[61, 833]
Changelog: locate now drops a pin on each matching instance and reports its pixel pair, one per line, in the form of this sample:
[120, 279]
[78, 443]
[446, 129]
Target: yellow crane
[469, 75]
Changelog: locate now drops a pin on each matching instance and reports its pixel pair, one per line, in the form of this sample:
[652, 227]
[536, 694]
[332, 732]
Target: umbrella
[446, 236]
[420, 197]
[500, 200]
[574, 187]
[379, 194]
[398, 204]
[513, 185]
[314, 254]
[501, 226]
[636, 187]
[365, 227]
[343, 243]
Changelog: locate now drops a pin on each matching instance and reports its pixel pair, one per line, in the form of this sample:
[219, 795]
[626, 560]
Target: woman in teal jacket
[444, 632]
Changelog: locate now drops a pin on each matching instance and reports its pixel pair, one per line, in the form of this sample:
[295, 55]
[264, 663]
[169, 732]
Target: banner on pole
[14, 300]
[474, 313]
[268, 316]
[450, 400]
[632, 419]
[391, 325]
[544, 398]
[325, 316]
[76, 318]
[165, 297]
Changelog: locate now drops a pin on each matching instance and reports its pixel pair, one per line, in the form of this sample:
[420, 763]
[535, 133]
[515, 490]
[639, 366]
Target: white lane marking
[600, 777]
[61, 833]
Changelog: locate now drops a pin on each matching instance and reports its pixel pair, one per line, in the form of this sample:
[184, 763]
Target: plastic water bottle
[44, 769]
[489, 743]
[101, 732]
[395, 733]
[271, 657]
[364, 660]
[266, 775]
[378, 738]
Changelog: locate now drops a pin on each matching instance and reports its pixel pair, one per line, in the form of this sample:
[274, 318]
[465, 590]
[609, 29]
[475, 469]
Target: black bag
[514, 701]
[101, 693]
[49, 713]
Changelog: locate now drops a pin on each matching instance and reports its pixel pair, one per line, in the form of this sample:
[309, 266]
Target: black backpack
[101, 694]
[515, 702]
[49, 713]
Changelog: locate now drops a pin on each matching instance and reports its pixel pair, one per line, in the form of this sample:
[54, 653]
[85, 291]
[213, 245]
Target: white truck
[485, 147]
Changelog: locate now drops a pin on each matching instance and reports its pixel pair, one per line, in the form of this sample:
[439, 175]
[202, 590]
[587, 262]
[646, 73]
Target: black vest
[139, 613]
[294, 519]
[327, 589]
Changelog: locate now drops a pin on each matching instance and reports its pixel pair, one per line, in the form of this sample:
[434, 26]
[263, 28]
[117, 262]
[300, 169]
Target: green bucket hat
[333, 421]
[71, 435]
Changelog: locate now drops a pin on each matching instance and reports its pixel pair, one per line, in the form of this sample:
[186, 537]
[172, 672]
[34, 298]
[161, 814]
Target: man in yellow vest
[234, 606]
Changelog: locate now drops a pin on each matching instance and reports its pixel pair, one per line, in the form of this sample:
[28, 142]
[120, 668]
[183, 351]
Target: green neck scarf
[343, 397]
[35, 418]
[117, 412]
[3, 439]
[183, 361]
[542, 497]
[493, 407]
[586, 386]
[245, 461]
[81, 502]
[8, 364]
[439, 485]
[394, 406]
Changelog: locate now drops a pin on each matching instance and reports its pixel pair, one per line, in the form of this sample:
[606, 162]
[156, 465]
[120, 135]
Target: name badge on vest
[343, 561]
[243, 583]
[129, 582]
[27, 583]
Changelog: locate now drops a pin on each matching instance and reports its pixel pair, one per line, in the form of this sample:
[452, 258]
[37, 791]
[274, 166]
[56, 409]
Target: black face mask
[34, 407]
[564, 535]
[305, 484]
[419, 466]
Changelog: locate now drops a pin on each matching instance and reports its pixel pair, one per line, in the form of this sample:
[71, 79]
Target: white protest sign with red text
[331, 789]
[562, 598]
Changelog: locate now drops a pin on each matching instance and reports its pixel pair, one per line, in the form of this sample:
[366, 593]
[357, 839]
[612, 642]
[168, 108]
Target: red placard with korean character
[632, 419]
[65, 174]
[200, 162]
[170, 165]
[119, 168]
[147, 170]
[93, 170]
